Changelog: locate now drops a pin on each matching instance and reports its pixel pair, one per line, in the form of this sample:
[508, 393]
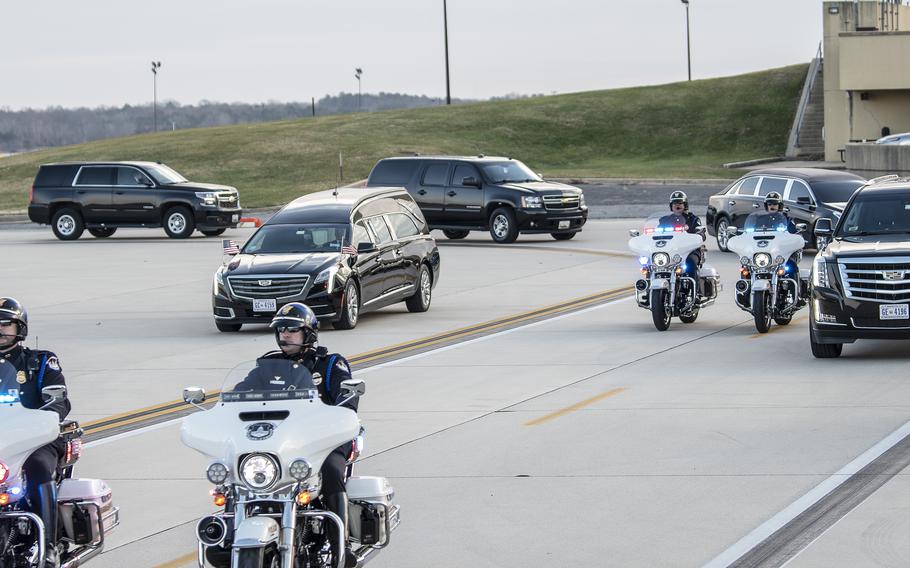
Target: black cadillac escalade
[103, 196]
[861, 278]
[459, 194]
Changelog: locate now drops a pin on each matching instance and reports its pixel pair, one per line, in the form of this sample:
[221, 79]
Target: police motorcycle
[771, 285]
[670, 286]
[266, 449]
[85, 510]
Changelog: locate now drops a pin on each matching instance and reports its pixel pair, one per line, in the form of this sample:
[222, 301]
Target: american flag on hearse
[230, 246]
[349, 250]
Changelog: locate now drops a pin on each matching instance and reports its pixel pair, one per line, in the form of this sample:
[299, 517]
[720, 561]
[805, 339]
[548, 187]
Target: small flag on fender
[230, 246]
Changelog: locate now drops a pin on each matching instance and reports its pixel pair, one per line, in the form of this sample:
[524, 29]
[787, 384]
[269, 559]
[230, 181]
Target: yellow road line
[574, 407]
[178, 562]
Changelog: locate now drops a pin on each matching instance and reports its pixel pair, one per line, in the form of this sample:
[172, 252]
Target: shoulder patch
[343, 365]
[53, 363]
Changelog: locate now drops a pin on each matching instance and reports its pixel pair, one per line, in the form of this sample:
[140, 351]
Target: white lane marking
[815, 495]
[167, 423]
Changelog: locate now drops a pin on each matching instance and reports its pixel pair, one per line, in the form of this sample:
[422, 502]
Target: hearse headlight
[327, 276]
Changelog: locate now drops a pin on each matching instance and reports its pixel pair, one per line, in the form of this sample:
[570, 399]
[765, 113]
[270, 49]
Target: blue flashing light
[750, 230]
[781, 228]
[8, 398]
[15, 491]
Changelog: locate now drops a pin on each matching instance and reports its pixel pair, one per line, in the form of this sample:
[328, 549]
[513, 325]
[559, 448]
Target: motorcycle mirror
[193, 395]
[634, 232]
[732, 231]
[353, 387]
[801, 227]
[54, 393]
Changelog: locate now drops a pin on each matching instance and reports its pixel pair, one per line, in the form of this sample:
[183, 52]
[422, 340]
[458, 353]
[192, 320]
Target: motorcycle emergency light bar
[268, 395]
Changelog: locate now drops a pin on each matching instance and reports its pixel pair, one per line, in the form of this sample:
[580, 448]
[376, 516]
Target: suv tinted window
[51, 176]
[95, 175]
[393, 172]
[131, 176]
[404, 226]
[435, 174]
[798, 189]
[747, 187]
[463, 171]
[877, 215]
[770, 184]
[380, 229]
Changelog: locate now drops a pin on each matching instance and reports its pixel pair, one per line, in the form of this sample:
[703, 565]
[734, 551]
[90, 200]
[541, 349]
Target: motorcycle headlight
[300, 469]
[762, 259]
[259, 471]
[217, 473]
[531, 202]
[779, 260]
[660, 259]
[820, 273]
[744, 261]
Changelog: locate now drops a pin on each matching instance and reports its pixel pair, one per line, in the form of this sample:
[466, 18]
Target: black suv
[342, 253]
[103, 196]
[501, 195]
[861, 279]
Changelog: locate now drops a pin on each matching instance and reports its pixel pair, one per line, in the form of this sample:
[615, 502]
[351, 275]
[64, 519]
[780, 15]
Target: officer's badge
[317, 379]
[21, 378]
[53, 363]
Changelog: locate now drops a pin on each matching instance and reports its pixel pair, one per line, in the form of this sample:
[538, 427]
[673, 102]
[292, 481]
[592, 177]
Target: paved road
[587, 438]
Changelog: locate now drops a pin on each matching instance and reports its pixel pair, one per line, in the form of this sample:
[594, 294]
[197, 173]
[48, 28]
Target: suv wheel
[212, 232]
[721, 232]
[420, 301]
[454, 235]
[228, 327]
[503, 226]
[179, 223]
[350, 307]
[67, 224]
[562, 236]
[102, 232]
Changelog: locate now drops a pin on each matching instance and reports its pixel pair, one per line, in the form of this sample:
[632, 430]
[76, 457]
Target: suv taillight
[31, 194]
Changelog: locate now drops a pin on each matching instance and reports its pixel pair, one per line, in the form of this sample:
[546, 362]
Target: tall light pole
[156, 65]
[357, 73]
[688, 48]
[445, 26]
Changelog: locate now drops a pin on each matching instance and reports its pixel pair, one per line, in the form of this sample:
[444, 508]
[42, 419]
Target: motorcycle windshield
[765, 222]
[9, 386]
[665, 223]
[268, 379]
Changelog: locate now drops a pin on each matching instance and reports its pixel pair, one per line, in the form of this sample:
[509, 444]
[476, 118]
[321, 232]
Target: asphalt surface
[576, 437]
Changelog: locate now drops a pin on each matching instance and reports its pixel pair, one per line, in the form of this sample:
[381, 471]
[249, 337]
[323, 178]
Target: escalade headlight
[259, 471]
[762, 259]
[531, 202]
[208, 198]
[820, 273]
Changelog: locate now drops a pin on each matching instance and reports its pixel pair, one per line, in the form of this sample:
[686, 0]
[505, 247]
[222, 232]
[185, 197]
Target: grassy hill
[675, 130]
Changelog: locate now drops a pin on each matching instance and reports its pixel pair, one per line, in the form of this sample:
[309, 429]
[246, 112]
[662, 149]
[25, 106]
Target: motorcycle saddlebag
[370, 502]
[81, 502]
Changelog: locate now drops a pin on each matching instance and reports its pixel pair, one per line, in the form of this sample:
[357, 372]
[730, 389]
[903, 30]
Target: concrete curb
[756, 162]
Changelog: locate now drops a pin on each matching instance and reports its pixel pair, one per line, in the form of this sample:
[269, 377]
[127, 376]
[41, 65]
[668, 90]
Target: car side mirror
[634, 233]
[53, 393]
[471, 181]
[366, 247]
[801, 227]
[353, 387]
[193, 395]
[824, 228]
[803, 200]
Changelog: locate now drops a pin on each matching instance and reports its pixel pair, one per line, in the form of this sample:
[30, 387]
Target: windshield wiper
[875, 233]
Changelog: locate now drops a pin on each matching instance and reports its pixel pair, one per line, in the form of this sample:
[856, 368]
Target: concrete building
[866, 74]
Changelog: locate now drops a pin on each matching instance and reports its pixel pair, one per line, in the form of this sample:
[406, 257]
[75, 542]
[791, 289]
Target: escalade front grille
[876, 279]
[265, 287]
[559, 202]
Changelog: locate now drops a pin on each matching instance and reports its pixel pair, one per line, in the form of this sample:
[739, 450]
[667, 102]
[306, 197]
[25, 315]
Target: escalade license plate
[563, 225]
[894, 312]
[267, 305]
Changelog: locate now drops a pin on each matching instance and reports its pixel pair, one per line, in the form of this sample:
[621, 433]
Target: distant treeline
[22, 130]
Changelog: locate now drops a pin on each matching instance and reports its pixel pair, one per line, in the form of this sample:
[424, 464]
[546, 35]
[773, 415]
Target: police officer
[34, 371]
[774, 204]
[679, 205]
[296, 331]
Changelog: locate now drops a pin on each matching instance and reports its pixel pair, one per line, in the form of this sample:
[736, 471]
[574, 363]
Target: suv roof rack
[881, 179]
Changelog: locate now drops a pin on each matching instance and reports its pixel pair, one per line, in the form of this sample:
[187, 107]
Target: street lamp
[357, 73]
[156, 65]
[688, 48]
[445, 25]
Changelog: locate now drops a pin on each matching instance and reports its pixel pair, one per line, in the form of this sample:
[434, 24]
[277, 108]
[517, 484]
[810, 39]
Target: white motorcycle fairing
[24, 431]
[778, 243]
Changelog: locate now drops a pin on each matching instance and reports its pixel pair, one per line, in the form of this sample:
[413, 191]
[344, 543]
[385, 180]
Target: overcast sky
[99, 52]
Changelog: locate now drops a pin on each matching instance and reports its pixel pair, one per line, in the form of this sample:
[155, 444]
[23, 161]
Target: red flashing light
[649, 230]
[678, 229]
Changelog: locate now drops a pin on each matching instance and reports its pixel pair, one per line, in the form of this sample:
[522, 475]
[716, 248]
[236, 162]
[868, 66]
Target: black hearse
[342, 252]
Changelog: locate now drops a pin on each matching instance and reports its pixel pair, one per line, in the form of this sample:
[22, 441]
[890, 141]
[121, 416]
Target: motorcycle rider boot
[47, 510]
[338, 504]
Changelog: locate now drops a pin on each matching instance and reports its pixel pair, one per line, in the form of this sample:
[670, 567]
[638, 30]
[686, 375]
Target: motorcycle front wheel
[659, 312]
[259, 558]
[761, 311]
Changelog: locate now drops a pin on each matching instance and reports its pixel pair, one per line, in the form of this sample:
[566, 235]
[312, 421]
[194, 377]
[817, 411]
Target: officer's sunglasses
[7, 322]
[287, 329]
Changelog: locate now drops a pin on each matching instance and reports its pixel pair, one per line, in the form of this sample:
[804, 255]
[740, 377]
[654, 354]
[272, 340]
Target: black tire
[67, 224]
[228, 327]
[250, 558]
[720, 230]
[563, 236]
[825, 350]
[761, 311]
[503, 225]
[783, 320]
[102, 232]
[454, 234]
[691, 318]
[350, 307]
[213, 232]
[423, 295]
[178, 222]
[659, 312]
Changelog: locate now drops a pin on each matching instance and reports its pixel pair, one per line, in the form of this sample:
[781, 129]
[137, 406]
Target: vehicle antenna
[340, 173]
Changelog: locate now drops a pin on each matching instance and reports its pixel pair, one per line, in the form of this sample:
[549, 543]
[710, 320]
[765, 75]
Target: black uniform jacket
[34, 371]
